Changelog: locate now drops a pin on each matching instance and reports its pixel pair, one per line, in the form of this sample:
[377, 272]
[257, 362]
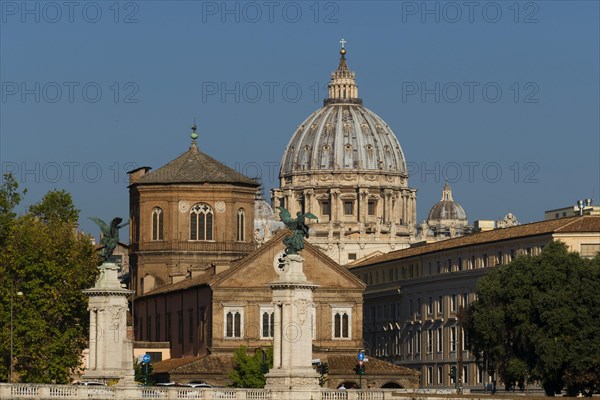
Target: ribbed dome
[346, 137]
[343, 135]
[447, 208]
[262, 210]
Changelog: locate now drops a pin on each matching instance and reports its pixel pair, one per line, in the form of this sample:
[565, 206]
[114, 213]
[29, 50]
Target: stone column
[413, 215]
[309, 200]
[111, 352]
[277, 338]
[364, 205]
[292, 366]
[395, 217]
[290, 201]
[335, 205]
[276, 196]
[387, 193]
[93, 335]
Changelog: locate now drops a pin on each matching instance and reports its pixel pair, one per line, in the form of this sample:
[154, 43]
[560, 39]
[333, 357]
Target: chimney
[136, 174]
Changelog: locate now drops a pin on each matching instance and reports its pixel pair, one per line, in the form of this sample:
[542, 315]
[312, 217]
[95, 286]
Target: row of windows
[454, 301]
[201, 223]
[440, 377]
[414, 270]
[434, 338]
[347, 207]
[386, 312]
[145, 330]
[234, 322]
[417, 342]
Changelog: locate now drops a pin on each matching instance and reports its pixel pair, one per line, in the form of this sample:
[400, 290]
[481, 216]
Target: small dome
[262, 210]
[447, 208]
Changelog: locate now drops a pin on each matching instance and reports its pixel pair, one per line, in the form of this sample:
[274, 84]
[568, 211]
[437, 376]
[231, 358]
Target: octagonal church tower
[345, 165]
[191, 216]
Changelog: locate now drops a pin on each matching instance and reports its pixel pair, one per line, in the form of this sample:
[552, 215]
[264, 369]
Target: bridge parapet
[25, 391]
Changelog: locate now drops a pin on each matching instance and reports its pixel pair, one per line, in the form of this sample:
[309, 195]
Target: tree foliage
[144, 373]
[249, 369]
[46, 260]
[57, 205]
[9, 199]
[537, 319]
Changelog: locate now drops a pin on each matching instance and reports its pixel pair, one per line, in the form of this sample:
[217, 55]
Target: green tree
[537, 319]
[9, 199]
[50, 264]
[57, 205]
[249, 369]
[143, 374]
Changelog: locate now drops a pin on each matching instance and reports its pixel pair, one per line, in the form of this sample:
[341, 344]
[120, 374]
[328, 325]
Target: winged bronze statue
[110, 235]
[295, 243]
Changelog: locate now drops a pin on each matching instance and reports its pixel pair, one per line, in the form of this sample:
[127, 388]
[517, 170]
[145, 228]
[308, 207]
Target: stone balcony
[193, 246]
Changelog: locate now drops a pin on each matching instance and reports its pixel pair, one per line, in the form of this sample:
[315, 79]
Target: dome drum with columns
[345, 165]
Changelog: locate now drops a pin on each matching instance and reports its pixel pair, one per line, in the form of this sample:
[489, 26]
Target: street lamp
[19, 293]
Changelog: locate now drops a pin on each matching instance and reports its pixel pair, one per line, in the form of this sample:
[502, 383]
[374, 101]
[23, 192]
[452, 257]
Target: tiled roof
[562, 225]
[342, 365]
[172, 363]
[581, 224]
[204, 279]
[194, 166]
[223, 363]
[210, 364]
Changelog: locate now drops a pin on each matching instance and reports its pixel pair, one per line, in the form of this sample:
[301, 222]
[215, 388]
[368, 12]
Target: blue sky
[500, 98]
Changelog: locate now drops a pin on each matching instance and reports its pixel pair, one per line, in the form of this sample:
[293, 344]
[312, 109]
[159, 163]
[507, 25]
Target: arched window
[234, 320]
[342, 323]
[241, 225]
[157, 223]
[201, 222]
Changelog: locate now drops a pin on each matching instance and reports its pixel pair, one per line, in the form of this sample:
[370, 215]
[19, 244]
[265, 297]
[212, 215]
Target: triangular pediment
[258, 269]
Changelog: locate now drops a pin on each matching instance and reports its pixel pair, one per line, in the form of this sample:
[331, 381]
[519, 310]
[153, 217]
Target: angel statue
[110, 235]
[295, 243]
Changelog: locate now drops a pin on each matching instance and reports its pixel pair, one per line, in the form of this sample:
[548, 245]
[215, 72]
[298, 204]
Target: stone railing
[47, 392]
[19, 391]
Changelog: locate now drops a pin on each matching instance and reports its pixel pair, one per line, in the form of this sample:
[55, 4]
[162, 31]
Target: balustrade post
[43, 392]
[5, 391]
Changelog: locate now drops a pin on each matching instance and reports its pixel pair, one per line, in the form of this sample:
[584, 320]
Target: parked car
[195, 385]
[89, 383]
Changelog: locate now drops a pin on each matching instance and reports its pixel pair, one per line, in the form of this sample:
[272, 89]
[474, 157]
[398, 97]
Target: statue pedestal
[111, 352]
[292, 341]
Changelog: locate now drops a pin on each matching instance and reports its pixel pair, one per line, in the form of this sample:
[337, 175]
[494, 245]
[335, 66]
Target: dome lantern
[343, 87]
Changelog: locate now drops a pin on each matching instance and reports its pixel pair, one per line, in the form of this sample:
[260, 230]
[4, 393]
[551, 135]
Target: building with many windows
[205, 318]
[414, 295]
